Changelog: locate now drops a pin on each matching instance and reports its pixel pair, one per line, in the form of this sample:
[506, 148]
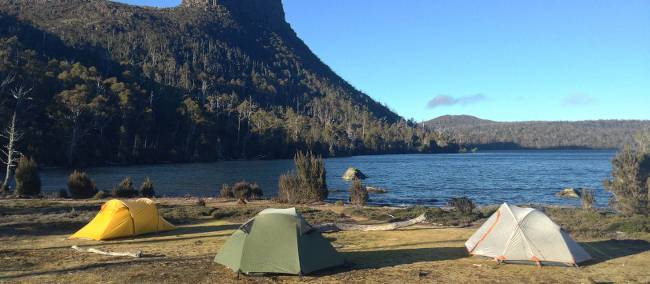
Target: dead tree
[13, 135]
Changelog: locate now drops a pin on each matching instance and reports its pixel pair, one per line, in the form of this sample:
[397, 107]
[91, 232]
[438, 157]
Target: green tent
[278, 241]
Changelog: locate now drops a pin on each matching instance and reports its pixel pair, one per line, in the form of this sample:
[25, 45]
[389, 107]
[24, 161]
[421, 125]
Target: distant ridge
[588, 134]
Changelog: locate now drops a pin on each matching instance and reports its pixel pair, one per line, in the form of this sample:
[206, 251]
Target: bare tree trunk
[10, 151]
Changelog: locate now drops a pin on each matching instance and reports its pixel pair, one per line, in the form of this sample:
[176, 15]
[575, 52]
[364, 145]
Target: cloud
[444, 100]
[578, 100]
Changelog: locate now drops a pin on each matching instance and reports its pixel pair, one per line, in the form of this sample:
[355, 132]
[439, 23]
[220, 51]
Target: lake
[487, 177]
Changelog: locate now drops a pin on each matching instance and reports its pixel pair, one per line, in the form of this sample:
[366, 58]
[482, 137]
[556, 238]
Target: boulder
[568, 192]
[371, 189]
[353, 173]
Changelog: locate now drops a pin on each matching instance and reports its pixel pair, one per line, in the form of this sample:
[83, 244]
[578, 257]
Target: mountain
[210, 79]
[590, 134]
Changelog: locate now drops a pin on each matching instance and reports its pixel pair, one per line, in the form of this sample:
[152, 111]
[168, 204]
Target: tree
[13, 135]
[629, 182]
[28, 181]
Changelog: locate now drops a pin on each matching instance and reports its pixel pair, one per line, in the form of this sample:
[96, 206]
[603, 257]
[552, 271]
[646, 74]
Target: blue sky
[500, 60]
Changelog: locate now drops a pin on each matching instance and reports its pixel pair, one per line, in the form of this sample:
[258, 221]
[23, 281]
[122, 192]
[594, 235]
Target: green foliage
[107, 96]
[4, 189]
[226, 191]
[308, 184]
[358, 193]
[339, 203]
[463, 205]
[146, 189]
[28, 181]
[587, 198]
[630, 172]
[80, 185]
[486, 134]
[125, 189]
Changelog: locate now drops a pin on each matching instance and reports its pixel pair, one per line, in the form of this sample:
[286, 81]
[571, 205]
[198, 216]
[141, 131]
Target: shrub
[226, 191]
[146, 189]
[63, 193]
[28, 181]
[630, 172]
[256, 191]
[290, 189]
[81, 186]
[339, 203]
[308, 184]
[125, 189]
[463, 205]
[244, 190]
[4, 189]
[101, 194]
[587, 198]
[200, 202]
[358, 193]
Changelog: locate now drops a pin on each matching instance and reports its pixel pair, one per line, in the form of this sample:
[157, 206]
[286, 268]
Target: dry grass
[33, 248]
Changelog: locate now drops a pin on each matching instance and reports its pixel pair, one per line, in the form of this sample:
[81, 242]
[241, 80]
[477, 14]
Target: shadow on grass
[393, 257]
[602, 251]
[40, 228]
[103, 265]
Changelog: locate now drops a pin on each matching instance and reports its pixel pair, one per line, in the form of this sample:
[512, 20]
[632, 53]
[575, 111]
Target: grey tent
[516, 234]
[278, 241]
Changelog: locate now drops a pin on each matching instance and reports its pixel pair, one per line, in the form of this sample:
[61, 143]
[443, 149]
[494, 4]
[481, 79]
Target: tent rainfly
[278, 241]
[515, 234]
[119, 218]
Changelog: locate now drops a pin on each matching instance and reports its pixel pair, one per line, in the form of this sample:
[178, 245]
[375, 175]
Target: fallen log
[93, 250]
[335, 227]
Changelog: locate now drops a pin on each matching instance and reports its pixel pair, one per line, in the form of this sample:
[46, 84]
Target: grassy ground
[33, 247]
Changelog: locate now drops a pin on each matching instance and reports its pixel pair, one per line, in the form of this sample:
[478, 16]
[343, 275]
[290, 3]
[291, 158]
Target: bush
[226, 191]
[101, 194]
[125, 189]
[200, 202]
[244, 190]
[81, 186]
[28, 181]
[339, 203]
[587, 198]
[290, 189]
[630, 173]
[308, 184]
[358, 193]
[63, 193]
[146, 189]
[4, 189]
[463, 205]
[256, 191]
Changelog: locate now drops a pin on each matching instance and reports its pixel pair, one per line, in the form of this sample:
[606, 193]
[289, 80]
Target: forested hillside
[486, 134]
[207, 80]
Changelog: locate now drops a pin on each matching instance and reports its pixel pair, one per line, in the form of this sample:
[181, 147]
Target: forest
[98, 82]
[484, 134]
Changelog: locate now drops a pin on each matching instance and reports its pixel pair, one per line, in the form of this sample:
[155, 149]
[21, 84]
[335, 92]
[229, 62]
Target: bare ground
[34, 248]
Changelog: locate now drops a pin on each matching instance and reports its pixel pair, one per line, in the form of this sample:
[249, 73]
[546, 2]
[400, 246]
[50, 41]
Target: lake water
[487, 177]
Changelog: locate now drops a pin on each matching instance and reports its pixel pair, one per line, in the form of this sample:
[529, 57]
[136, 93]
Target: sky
[499, 60]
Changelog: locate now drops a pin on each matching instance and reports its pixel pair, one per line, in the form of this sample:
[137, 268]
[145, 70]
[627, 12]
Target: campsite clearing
[34, 248]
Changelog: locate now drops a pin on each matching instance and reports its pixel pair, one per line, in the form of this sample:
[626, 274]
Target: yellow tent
[119, 218]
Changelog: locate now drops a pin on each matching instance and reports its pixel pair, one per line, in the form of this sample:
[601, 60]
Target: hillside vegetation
[203, 81]
[486, 134]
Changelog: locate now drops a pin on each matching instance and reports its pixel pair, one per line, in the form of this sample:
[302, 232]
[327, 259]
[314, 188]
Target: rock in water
[568, 192]
[353, 173]
[375, 189]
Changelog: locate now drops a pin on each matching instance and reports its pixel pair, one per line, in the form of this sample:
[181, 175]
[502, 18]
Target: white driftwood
[93, 250]
[335, 227]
